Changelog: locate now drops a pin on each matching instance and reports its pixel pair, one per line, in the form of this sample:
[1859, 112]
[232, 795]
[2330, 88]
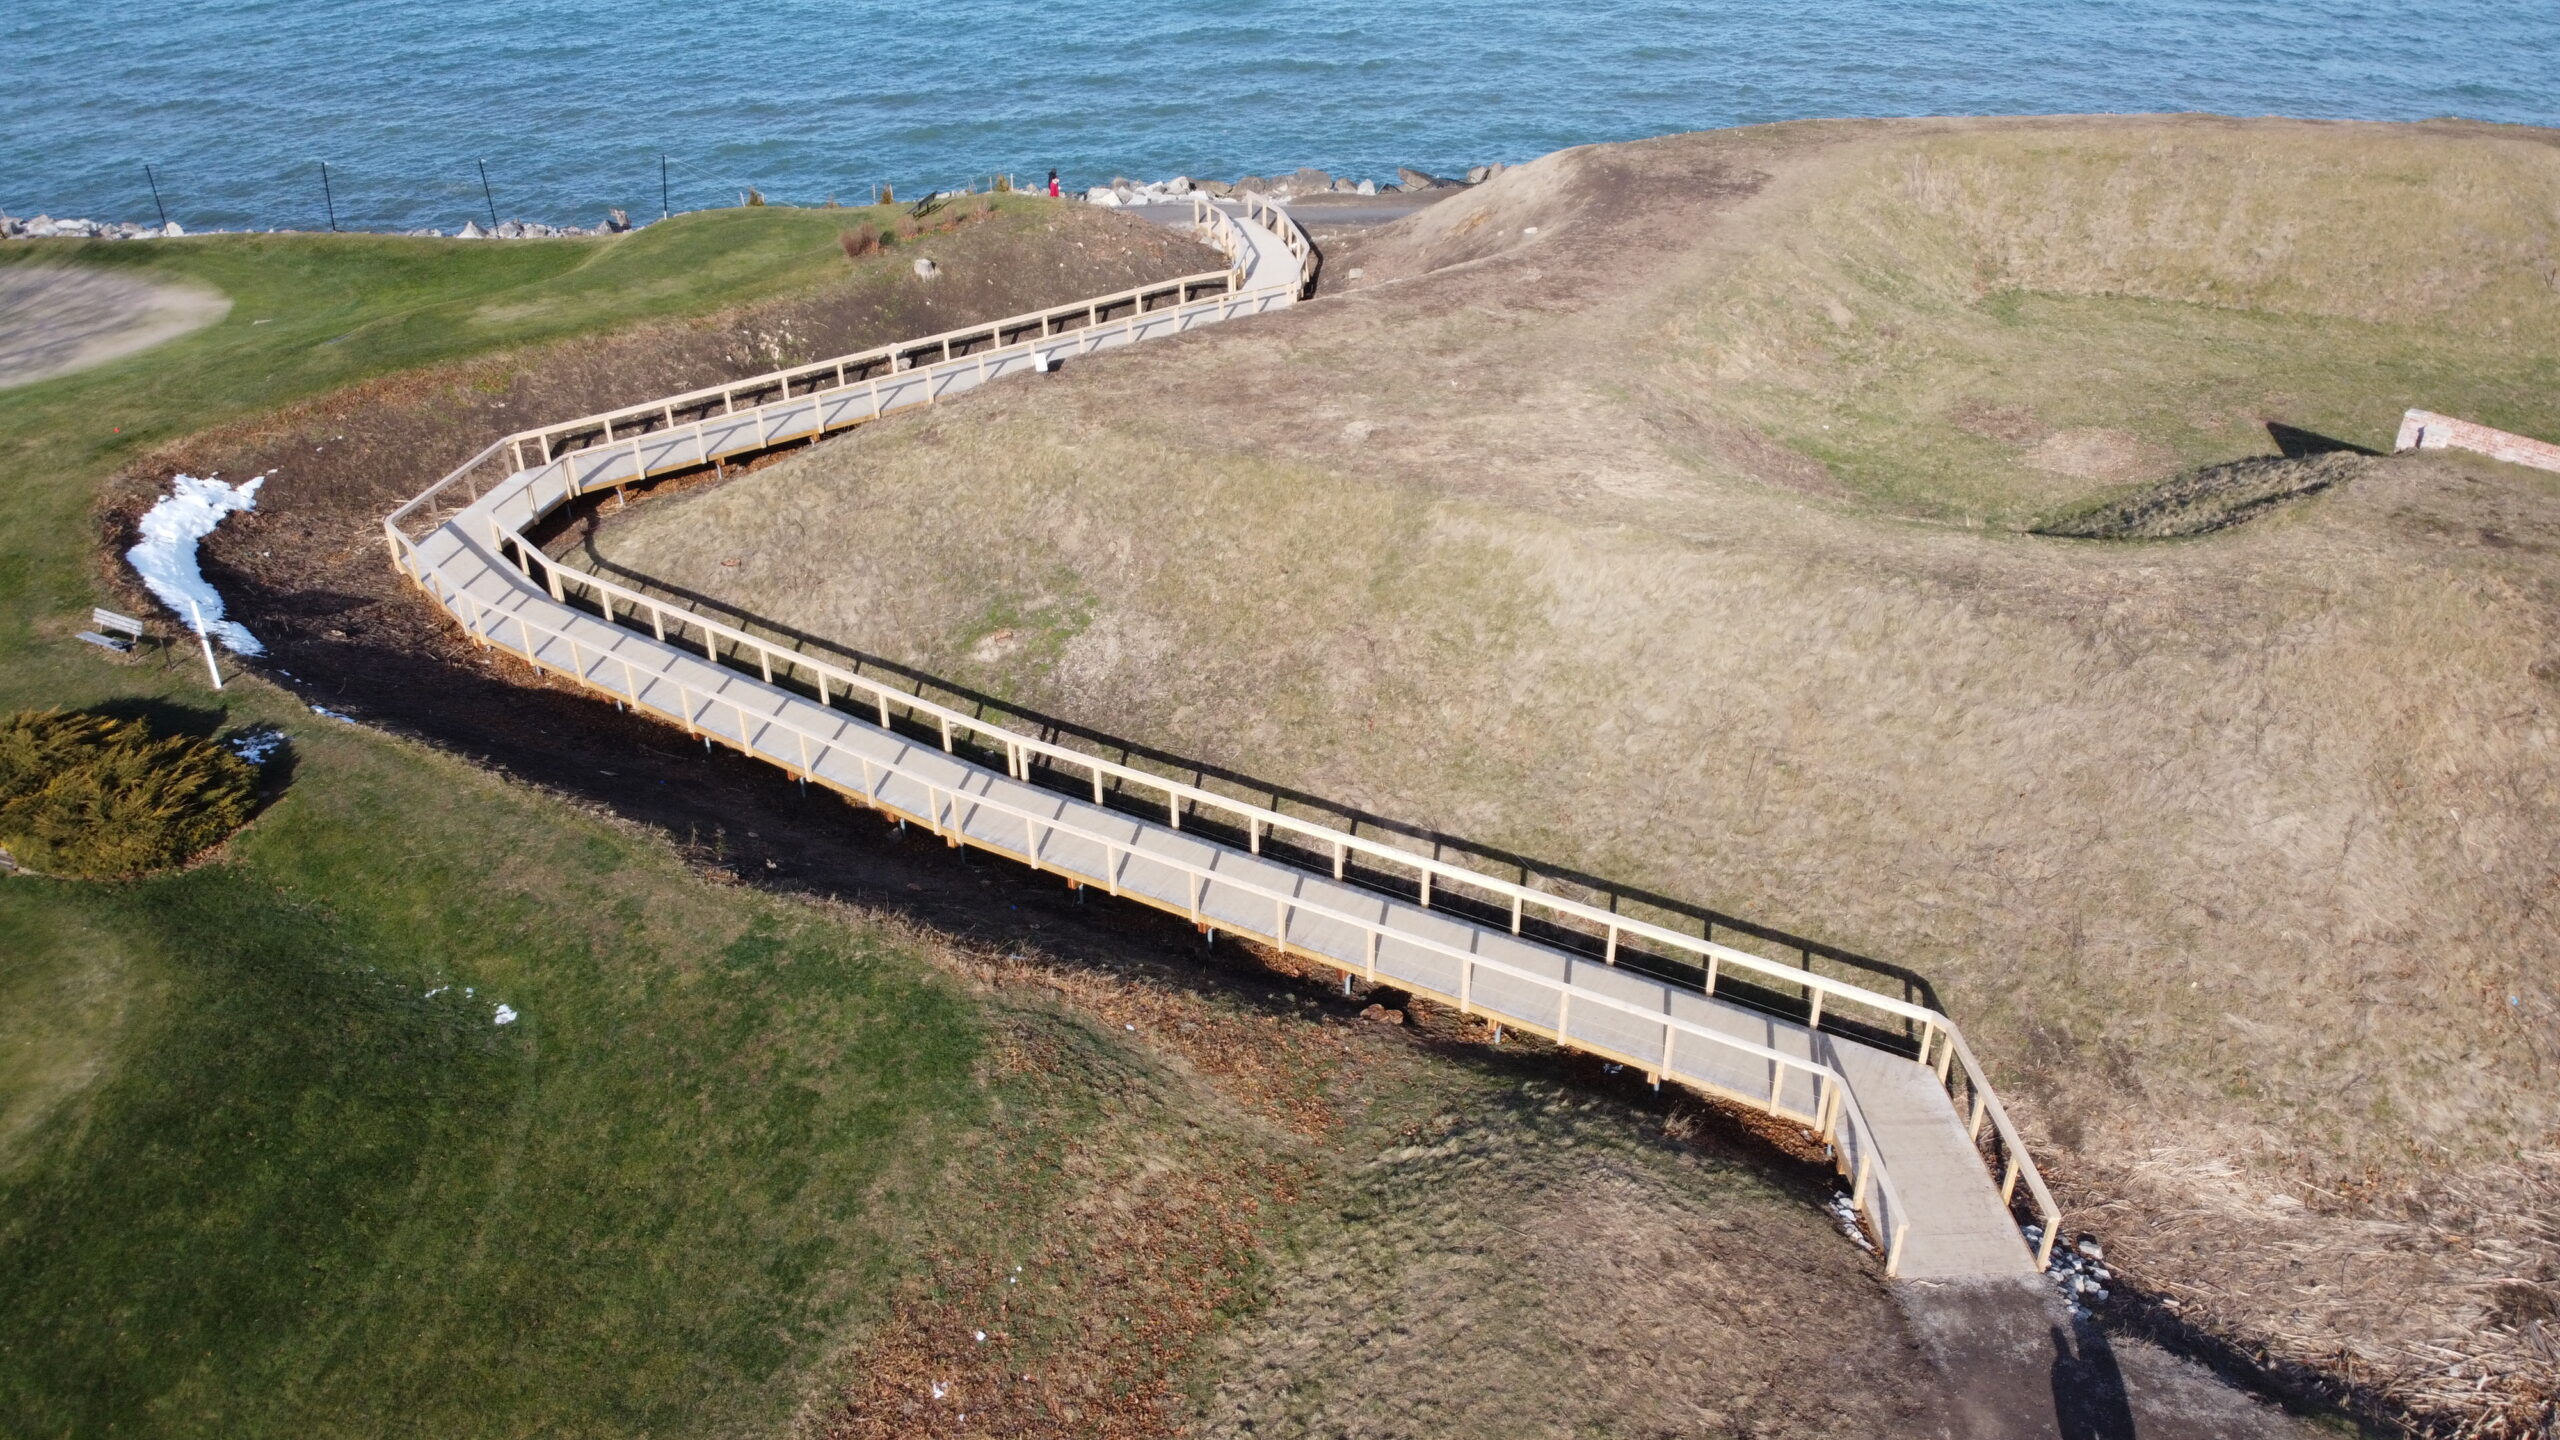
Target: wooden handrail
[561, 477]
[1257, 819]
[1835, 1101]
[1986, 1104]
[783, 377]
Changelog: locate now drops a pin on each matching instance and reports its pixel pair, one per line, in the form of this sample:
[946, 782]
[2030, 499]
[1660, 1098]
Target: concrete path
[2014, 1364]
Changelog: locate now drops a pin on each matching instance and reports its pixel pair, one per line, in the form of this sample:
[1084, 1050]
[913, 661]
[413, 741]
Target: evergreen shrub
[94, 797]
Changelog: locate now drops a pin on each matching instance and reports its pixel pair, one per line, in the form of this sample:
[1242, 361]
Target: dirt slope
[2233, 854]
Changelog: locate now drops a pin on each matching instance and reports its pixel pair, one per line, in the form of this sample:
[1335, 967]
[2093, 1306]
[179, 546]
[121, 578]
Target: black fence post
[487, 194]
[328, 198]
[155, 196]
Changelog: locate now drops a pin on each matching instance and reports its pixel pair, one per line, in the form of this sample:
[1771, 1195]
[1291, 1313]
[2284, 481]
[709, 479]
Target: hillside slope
[1655, 510]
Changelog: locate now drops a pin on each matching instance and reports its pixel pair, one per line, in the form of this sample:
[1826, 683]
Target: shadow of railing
[1738, 932]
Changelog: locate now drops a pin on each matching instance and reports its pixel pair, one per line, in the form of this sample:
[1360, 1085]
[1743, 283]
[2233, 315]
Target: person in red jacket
[1053, 184]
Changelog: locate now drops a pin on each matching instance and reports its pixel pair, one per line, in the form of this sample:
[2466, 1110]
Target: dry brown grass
[2235, 856]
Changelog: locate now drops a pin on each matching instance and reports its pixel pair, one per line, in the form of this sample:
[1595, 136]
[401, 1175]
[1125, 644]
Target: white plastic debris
[165, 557]
[1845, 1214]
[506, 1014]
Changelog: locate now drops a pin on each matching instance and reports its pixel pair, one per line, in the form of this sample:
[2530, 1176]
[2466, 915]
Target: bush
[100, 798]
[858, 243]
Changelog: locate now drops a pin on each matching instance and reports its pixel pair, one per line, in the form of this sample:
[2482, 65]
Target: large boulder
[471, 231]
[1102, 195]
[1412, 179]
[1366, 187]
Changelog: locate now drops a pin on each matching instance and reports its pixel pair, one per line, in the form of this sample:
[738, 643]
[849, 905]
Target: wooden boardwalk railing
[801, 713]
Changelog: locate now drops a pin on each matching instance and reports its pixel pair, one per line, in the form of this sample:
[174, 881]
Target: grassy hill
[742, 1162]
[1658, 510]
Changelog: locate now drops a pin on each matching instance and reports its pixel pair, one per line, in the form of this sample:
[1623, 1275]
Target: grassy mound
[2232, 855]
[100, 798]
[1992, 326]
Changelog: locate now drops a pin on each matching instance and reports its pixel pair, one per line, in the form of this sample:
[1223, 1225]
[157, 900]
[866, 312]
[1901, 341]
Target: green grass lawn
[267, 1164]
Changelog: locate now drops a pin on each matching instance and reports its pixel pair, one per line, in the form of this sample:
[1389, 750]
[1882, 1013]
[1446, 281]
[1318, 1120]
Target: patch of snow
[430, 995]
[324, 710]
[258, 745]
[165, 557]
[506, 1014]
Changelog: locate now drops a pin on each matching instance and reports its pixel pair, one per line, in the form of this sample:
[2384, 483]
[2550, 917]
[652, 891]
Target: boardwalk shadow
[1666, 911]
[2295, 443]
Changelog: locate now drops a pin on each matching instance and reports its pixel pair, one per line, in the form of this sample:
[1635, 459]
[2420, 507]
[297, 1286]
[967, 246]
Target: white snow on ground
[166, 556]
[328, 714]
[506, 1014]
[258, 745]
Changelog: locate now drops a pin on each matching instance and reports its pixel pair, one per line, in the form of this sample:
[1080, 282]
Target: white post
[207, 641]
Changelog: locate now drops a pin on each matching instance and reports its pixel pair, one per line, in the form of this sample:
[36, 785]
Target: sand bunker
[54, 320]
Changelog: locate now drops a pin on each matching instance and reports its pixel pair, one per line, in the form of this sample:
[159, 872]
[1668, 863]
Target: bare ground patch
[55, 320]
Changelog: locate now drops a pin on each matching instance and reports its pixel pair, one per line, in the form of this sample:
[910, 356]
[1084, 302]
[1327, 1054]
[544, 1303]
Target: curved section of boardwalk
[1917, 1166]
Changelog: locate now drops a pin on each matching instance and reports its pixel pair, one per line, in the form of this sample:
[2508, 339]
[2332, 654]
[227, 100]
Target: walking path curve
[1920, 1171]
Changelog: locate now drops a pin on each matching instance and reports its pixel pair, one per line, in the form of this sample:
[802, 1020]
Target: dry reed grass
[2234, 855]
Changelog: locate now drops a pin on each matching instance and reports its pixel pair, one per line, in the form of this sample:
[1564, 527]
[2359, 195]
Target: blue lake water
[234, 103]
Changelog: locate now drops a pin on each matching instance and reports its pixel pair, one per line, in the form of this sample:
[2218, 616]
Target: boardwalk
[1915, 1163]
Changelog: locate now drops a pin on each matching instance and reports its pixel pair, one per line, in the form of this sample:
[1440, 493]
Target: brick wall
[2426, 430]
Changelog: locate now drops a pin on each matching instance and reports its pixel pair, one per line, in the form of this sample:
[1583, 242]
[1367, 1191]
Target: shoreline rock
[1122, 191]
[46, 227]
